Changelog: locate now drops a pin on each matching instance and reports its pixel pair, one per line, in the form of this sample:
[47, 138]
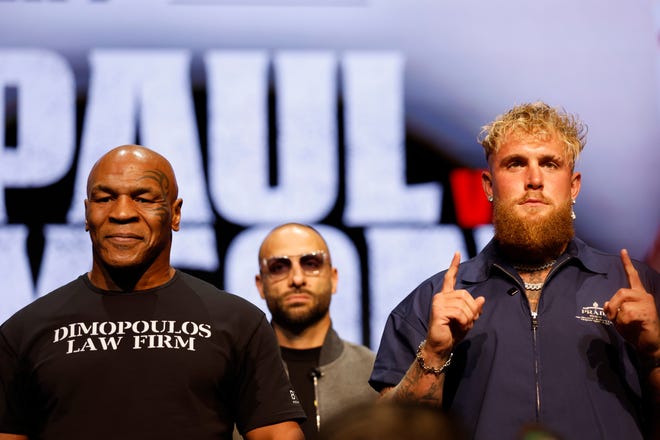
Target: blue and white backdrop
[351, 115]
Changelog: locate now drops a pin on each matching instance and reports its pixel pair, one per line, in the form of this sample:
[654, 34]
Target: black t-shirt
[183, 361]
[302, 365]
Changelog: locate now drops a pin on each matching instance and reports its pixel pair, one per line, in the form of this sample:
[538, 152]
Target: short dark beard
[297, 323]
[532, 241]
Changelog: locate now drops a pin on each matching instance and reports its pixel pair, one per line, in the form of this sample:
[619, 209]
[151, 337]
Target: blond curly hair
[540, 121]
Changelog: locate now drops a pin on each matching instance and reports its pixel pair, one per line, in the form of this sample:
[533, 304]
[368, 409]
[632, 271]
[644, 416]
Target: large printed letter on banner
[376, 189]
[46, 120]
[150, 90]
[307, 165]
[16, 280]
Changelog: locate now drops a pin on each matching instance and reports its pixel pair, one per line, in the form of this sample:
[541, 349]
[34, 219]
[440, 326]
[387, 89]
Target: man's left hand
[634, 314]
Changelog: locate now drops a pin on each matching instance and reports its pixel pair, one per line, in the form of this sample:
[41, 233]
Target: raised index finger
[450, 277]
[631, 272]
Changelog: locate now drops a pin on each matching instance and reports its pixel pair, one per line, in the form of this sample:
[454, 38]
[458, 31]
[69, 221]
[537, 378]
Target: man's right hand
[453, 313]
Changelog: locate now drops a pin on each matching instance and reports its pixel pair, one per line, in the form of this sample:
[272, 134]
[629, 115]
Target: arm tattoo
[408, 388]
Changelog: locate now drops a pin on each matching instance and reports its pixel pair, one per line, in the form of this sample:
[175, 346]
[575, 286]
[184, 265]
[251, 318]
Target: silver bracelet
[431, 370]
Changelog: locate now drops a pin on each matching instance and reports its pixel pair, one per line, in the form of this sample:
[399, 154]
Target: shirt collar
[577, 252]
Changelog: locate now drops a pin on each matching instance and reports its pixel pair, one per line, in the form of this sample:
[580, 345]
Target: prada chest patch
[593, 313]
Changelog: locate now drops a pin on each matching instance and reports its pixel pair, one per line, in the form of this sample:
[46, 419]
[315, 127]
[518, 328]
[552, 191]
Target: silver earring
[490, 199]
[572, 211]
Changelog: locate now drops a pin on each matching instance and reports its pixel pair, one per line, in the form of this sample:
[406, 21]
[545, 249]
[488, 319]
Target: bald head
[137, 156]
[292, 237]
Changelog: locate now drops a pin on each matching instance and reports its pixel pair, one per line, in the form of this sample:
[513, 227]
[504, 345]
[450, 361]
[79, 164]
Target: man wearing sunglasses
[297, 280]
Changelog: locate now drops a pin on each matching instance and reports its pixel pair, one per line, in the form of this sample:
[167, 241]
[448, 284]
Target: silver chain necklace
[523, 268]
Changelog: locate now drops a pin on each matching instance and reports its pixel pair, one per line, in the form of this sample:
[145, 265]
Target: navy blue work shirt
[570, 370]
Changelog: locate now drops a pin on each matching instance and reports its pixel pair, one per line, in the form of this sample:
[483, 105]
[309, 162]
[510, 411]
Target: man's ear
[260, 285]
[576, 183]
[335, 279]
[176, 214]
[86, 223]
[487, 184]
